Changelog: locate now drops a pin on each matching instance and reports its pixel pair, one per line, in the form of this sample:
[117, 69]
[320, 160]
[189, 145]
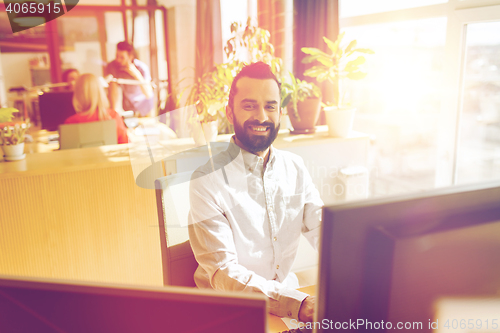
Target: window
[433, 124]
[479, 135]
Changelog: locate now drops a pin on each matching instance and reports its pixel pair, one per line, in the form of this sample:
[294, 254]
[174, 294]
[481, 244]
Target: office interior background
[430, 103]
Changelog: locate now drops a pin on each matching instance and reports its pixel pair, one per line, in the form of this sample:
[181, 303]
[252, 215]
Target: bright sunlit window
[399, 101]
[363, 7]
[414, 99]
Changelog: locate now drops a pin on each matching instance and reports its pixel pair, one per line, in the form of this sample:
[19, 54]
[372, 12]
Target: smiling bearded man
[245, 225]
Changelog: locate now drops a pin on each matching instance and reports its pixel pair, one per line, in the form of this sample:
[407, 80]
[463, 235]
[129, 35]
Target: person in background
[70, 76]
[91, 104]
[138, 98]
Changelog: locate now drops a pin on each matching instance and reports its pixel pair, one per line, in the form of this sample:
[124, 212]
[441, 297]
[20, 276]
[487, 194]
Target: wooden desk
[275, 323]
[41, 143]
[77, 214]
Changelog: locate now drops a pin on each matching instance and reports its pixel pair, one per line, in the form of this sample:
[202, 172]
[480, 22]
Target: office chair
[93, 134]
[172, 202]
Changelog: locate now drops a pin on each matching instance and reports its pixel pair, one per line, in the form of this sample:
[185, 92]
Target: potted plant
[302, 100]
[340, 64]
[11, 136]
[209, 95]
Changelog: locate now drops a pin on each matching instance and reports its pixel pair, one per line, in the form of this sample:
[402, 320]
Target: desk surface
[275, 323]
[44, 157]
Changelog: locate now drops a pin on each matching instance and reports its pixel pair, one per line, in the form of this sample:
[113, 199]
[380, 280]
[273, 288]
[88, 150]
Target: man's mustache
[257, 123]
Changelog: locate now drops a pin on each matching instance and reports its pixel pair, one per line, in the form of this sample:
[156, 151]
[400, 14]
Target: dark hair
[125, 46]
[256, 70]
[66, 73]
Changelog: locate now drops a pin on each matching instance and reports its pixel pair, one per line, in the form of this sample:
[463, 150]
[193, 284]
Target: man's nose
[261, 114]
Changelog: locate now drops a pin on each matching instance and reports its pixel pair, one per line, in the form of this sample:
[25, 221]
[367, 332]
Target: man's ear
[229, 115]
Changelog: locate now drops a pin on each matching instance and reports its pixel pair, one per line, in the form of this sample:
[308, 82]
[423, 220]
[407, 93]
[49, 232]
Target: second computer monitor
[43, 305]
[410, 262]
[55, 108]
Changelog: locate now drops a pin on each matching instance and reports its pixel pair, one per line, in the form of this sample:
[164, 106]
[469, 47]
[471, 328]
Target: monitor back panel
[55, 108]
[46, 306]
[395, 259]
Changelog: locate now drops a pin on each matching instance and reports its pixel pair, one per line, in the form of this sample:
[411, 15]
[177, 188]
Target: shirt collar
[251, 160]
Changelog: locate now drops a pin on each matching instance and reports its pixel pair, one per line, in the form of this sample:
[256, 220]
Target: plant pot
[339, 121]
[308, 112]
[206, 133]
[14, 152]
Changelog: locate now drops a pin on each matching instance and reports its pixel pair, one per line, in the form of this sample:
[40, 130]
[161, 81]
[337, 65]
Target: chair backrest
[172, 201]
[93, 134]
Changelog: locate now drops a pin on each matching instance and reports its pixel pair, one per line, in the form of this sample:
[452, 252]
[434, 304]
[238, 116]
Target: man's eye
[248, 107]
[271, 107]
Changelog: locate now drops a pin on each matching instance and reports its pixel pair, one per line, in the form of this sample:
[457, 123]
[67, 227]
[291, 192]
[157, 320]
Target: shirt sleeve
[212, 241]
[143, 68]
[312, 210]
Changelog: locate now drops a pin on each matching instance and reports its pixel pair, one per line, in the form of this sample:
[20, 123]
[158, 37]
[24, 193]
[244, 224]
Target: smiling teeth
[259, 129]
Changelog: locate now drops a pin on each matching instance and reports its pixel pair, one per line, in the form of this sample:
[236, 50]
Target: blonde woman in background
[91, 104]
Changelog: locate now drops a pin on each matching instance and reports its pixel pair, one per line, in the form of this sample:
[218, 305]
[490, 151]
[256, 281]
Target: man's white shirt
[246, 220]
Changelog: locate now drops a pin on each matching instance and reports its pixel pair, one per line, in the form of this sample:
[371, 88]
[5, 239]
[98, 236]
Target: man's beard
[256, 143]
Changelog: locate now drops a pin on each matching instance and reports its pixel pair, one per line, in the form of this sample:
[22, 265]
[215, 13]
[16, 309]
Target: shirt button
[275, 239]
[250, 169]
[277, 266]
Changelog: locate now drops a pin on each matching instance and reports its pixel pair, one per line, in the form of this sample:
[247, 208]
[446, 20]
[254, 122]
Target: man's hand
[136, 74]
[306, 311]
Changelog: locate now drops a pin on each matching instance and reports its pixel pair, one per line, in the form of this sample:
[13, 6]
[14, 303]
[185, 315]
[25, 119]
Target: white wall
[16, 70]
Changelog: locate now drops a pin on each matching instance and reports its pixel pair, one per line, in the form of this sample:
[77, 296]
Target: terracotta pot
[339, 121]
[308, 113]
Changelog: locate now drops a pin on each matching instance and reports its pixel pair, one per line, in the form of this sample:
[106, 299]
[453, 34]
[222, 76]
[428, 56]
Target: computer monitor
[399, 260]
[47, 305]
[55, 107]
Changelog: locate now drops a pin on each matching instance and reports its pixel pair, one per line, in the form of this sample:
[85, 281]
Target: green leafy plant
[297, 91]
[210, 92]
[252, 44]
[340, 64]
[11, 134]
[6, 114]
